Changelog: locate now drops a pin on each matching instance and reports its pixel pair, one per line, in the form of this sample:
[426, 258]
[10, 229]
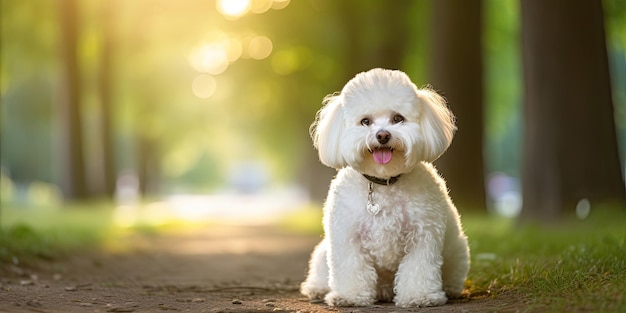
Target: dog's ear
[327, 132]
[437, 124]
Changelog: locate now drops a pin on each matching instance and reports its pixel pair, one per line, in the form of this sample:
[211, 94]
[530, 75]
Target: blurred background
[200, 109]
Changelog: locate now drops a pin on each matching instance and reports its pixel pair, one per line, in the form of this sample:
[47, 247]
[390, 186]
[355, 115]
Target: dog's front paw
[313, 292]
[421, 299]
[454, 292]
[334, 299]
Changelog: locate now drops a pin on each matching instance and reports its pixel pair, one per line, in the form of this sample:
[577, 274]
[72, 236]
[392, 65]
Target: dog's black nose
[383, 136]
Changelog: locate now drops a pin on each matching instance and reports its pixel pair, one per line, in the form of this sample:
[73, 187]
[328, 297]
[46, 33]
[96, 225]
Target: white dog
[391, 230]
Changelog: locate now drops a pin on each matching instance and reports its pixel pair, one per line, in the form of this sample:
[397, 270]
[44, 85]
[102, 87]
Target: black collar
[380, 181]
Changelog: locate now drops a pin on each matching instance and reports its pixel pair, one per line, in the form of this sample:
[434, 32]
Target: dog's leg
[455, 263]
[316, 284]
[418, 280]
[352, 275]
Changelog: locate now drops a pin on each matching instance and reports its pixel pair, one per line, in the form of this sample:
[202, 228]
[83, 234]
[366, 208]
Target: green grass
[47, 232]
[574, 266]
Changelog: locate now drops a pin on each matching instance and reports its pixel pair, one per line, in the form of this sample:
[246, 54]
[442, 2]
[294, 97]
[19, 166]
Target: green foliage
[503, 85]
[615, 21]
[21, 240]
[30, 233]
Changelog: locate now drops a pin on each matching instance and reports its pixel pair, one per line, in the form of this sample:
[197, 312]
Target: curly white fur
[414, 251]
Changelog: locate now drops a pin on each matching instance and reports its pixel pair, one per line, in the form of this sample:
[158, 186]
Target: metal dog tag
[372, 208]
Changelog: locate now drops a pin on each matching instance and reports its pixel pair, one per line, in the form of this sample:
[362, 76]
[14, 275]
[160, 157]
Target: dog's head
[382, 125]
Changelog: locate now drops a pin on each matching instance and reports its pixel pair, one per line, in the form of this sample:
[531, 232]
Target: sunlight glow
[214, 56]
[233, 8]
[211, 58]
[204, 86]
[231, 208]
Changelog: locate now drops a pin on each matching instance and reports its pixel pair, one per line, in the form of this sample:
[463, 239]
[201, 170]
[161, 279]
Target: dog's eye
[365, 122]
[398, 119]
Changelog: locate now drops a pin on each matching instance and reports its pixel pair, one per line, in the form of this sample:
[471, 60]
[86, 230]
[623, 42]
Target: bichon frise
[391, 230]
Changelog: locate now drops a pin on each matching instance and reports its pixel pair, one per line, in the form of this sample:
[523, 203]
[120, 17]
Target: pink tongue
[382, 156]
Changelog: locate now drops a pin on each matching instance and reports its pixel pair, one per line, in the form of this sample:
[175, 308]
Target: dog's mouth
[382, 155]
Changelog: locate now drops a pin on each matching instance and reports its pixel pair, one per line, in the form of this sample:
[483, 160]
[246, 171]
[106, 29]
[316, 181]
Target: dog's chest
[384, 236]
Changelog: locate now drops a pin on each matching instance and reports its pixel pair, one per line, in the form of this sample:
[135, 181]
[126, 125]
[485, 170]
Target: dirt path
[222, 269]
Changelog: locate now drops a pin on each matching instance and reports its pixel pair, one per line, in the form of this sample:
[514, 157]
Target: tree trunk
[392, 17]
[377, 34]
[74, 184]
[148, 166]
[457, 73]
[570, 144]
[106, 102]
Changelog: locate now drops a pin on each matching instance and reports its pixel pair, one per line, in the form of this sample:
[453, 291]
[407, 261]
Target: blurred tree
[457, 73]
[74, 183]
[106, 70]
[502, 83]
[148, 166]
[570, 145]
[27, 88]
[377, 34]
[107, 64]
[28, 114]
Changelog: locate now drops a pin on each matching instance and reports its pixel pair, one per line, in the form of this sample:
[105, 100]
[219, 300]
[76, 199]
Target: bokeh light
[260, 47]
[211, 58]
[214, 56]
[280, 4]
[233, 9]
[204, 86]
[260, 6]
[235, 49]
